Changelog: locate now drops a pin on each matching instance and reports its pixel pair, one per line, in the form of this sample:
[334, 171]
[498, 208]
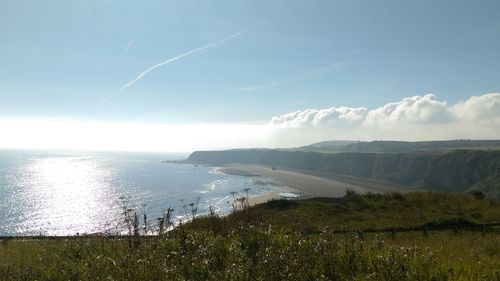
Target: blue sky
[62, 59]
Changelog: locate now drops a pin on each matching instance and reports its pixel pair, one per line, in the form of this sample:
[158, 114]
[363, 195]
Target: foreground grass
[372, 211]
[266, 243]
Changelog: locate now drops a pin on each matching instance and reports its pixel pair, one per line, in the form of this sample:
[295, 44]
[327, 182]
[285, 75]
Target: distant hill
[451, 171]
[400, 146]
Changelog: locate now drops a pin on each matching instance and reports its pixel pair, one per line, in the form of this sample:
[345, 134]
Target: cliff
[454, 171]
[401, 146]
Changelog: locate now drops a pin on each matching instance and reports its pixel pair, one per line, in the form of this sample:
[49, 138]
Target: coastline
[236, 172]
[262, 198]
[310, 184]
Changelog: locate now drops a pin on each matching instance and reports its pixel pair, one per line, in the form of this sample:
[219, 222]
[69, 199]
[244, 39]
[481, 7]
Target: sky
[188, 75]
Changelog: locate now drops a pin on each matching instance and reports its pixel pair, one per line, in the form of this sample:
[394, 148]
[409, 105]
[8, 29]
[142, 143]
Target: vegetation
[401, 146]
[367, 212]
[285, 240]
[452, 171]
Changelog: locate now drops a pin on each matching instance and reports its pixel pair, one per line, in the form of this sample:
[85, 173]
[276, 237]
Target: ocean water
[65, 193]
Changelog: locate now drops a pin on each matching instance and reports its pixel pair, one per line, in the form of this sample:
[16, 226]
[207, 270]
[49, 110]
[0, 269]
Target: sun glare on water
[70, 195]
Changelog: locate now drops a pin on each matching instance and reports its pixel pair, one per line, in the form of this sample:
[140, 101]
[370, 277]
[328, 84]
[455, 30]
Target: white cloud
[412, 110]
[321, 117]
[417, 109]
[482, 109]
[413, 118]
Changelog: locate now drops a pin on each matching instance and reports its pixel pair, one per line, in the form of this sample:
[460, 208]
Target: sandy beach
[315, 185]
[263, 198]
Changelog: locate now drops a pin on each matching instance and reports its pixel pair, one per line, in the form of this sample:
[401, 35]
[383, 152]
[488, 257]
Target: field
[417, 236]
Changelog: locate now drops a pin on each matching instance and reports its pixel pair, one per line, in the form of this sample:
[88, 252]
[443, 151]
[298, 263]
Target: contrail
[192, 52]
[126, 48]
[305, 76]
[311, 74]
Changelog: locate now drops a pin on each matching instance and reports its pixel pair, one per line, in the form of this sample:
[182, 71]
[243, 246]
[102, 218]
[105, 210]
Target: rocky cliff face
[456, 171]
[460, 170]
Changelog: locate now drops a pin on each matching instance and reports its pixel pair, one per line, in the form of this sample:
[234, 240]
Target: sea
[60, 193]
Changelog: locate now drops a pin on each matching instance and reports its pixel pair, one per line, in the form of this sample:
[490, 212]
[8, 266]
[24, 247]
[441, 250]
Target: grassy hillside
[456, 171]
[401, 146]
[284, 240]
[462, 169]
[371, 211]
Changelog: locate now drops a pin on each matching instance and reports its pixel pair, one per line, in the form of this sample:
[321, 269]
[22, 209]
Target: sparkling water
[64, 193]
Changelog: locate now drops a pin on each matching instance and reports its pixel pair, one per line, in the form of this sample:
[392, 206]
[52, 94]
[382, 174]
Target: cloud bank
[37, 133]
[413, 118]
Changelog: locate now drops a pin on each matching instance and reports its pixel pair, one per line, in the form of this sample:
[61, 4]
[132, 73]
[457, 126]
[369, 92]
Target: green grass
[372, 211]
[274, 241]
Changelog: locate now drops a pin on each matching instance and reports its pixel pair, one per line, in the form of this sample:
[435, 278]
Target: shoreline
[262, 198]
[311, 184]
